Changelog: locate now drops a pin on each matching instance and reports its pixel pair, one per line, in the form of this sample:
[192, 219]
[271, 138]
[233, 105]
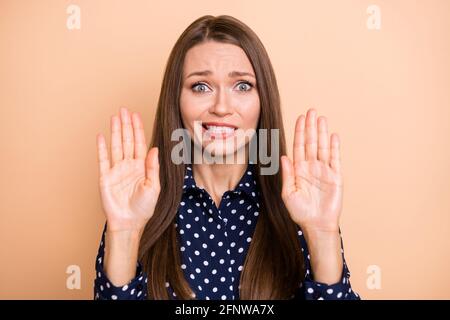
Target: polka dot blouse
[213, 244]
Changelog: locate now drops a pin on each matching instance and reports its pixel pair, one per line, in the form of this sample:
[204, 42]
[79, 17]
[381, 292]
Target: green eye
[201, 87]
[198, 85]
[248, 84]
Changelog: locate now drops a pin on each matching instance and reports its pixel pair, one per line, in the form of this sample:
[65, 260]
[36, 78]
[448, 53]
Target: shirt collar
[247, 184]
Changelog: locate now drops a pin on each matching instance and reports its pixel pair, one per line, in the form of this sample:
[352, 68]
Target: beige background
[385, 91]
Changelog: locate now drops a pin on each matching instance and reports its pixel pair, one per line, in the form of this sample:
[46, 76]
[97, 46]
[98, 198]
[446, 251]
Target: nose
[221, 106]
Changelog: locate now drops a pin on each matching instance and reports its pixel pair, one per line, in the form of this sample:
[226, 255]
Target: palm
[130, 188]
[125, 197]
[312, 185]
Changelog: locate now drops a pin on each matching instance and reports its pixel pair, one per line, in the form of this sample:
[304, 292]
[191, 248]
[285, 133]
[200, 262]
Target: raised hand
[129, 185]
[312, 185]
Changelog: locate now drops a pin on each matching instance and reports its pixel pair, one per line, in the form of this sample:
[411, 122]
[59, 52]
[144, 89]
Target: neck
[218, 178]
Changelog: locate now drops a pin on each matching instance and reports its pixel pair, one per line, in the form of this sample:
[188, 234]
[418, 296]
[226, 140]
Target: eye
[199, 87]
[247, 86]
[202, 87]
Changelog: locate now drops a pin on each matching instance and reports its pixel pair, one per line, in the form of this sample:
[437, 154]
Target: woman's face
[219, 89]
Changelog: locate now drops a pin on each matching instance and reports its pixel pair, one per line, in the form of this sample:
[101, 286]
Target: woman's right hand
[129, 185]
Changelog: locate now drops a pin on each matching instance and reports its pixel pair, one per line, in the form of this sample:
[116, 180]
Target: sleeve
[314, 290]
[136, 289]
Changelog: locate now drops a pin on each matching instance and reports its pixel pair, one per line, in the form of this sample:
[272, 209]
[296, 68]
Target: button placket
[229, 268]
[222, 226]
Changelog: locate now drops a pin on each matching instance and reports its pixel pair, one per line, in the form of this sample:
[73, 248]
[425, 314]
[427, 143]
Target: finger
[324, 147]
[335, 161]
[311, 135]
[152, 168]
[287, 174]
[140, 146]
[299, 140]
[102, 153]
[116, 140]
[127, 134]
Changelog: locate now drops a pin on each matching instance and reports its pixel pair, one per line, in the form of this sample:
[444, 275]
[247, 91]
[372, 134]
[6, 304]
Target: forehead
[217, 57]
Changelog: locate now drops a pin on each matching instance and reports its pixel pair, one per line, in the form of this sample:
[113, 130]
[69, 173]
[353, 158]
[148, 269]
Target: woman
[220, 230]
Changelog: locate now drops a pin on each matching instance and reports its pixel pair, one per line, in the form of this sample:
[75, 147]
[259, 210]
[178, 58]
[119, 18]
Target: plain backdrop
[385, 91]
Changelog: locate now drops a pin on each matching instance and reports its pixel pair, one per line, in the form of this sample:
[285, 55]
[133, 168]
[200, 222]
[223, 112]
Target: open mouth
[218, 131]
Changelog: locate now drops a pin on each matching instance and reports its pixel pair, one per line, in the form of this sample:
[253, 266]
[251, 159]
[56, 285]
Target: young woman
[220, 230]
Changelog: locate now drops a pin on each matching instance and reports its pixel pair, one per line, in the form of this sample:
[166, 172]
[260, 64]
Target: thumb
[152, 168]
[287, 173]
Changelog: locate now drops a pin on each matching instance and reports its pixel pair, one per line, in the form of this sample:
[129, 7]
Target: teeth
[219, 129]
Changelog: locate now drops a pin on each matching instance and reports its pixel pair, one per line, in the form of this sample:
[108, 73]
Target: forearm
[325, 255]
[121, 254]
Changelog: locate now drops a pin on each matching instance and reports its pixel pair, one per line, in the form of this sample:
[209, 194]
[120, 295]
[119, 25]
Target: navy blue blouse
[213, 244]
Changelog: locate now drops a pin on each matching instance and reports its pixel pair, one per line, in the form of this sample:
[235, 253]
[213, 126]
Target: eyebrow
[232, 74]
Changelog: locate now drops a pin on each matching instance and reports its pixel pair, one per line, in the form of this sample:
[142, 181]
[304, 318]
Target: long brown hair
[274, 267]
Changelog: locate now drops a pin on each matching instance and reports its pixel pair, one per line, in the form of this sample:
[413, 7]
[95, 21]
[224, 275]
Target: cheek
[187, 110]
[250, 111]
[191, 107]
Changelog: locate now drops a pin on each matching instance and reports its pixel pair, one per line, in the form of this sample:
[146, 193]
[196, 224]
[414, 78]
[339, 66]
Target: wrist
[123, 240]
[125, 233]
[125, 228]
[121, 254]
[317, 234]
[325, 254]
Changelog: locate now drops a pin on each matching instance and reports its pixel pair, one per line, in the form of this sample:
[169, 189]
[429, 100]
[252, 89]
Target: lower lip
[223, 135]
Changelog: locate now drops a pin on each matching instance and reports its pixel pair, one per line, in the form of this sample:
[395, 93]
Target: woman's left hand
[312, 185]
